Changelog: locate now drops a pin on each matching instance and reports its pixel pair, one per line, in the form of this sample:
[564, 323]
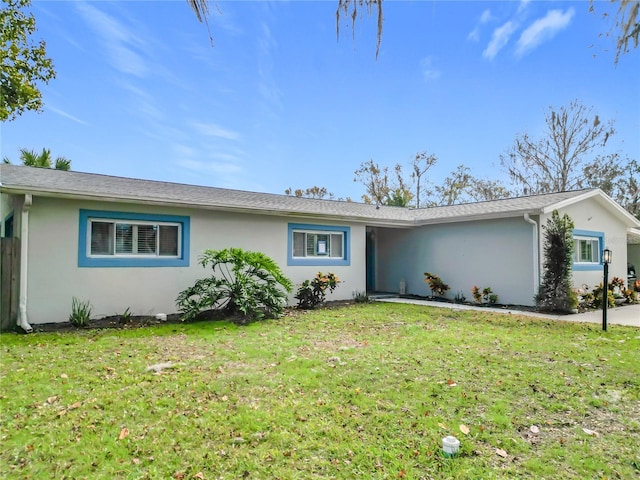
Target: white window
[316, 244]
[127, 238]
[586, 250]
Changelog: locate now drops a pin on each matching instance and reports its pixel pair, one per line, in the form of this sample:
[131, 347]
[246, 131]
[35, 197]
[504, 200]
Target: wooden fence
[9, 282]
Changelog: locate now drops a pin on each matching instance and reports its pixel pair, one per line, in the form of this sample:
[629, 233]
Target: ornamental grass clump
[313, 292]
[80, 312]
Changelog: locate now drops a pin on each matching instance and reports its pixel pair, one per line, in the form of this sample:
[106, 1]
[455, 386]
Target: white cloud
[64, 114]
[119, 41]
[499, 39]
[204, 167]
[428, 71]
[523, 5]
[215, 130]
[486, 17]
[543, 29]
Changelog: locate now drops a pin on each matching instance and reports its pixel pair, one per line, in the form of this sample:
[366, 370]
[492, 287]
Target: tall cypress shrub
[556, 289]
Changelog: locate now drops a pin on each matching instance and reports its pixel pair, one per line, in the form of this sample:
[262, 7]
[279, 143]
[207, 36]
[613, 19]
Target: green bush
[244, 284]
[313, 292]
[556, 289]
[80, 312]
[597, 297]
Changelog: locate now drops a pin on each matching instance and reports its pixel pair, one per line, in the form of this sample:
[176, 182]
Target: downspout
[24, 255]
[536, 254]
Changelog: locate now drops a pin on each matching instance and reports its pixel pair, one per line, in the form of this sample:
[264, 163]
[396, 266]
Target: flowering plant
[312, 293]
[436, 285]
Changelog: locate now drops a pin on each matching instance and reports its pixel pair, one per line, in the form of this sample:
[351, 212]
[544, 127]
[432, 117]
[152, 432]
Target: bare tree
[381, 188]
[454, 187]
[618, 179]
[352, 8]
[375, 180]
[420, 164]
[311, 192]
[485, 190]
[626, 27]
[554, 163]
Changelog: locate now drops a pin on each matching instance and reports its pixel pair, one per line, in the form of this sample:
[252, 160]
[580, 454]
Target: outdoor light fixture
[606, 260]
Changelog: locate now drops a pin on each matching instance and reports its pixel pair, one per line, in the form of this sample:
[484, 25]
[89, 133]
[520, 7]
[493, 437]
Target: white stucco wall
[590, 215]
[54, 275]
[491, 253]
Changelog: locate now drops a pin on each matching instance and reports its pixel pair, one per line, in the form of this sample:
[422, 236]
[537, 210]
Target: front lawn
[361, 391]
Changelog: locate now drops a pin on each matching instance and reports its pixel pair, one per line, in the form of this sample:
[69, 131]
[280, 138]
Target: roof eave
[205, 206]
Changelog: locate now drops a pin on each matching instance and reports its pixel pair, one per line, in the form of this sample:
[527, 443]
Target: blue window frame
[587, 250]
[318, 245]
[124, 239]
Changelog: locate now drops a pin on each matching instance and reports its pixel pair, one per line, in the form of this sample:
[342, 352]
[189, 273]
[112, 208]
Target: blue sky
[279, 101]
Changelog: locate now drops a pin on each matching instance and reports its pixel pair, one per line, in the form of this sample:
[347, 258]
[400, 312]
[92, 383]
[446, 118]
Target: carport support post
[606, 259]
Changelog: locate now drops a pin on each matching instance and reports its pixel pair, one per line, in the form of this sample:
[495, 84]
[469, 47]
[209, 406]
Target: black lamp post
[606, 260]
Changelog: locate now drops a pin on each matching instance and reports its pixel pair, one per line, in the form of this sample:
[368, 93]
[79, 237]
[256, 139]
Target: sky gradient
[279, 101]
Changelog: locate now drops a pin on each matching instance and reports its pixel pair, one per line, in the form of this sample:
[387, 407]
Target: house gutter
[536, 253]
[24, 255]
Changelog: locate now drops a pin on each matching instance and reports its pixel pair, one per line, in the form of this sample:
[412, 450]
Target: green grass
[363, 391]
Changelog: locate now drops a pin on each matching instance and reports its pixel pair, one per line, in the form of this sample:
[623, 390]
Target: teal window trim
[85, 260]
[593, 235]
[319, 261]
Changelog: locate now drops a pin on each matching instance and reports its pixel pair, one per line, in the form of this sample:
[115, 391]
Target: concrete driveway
[626, 315]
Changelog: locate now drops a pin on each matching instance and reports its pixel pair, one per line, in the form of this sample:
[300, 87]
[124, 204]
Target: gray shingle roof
[48, 182]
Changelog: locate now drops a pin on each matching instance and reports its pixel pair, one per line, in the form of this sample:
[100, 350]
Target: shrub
[597, 297]
[312, 293]
[460, 298]
[485, 295]
[436, 285]
[244, 284]
[556, 289]
[80, 312]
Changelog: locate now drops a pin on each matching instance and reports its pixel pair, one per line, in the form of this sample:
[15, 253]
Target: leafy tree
[24, 62]
[244, 284]
[30, 158]
[556, 289]
[555, 162]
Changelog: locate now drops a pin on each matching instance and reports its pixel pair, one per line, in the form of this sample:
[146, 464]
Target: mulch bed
[120, 322]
